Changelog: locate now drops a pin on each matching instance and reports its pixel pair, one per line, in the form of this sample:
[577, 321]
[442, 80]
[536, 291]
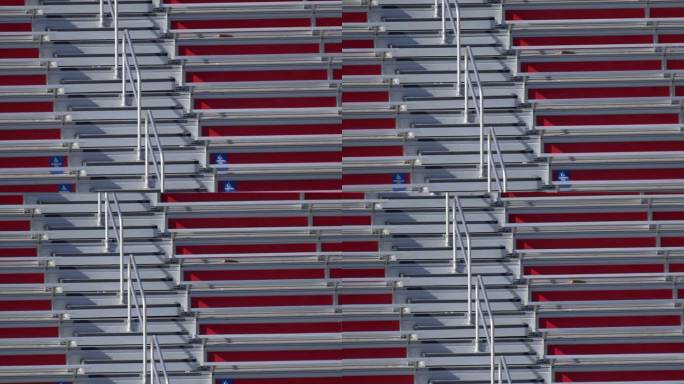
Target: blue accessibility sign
[398, 181]
[563, 176]
[65, 188]
[219, 158]
[57, 162]
[229, 186]
[227, 381]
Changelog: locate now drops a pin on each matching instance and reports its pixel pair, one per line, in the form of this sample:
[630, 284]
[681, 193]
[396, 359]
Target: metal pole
[115, 11]
[99, 209]
[147, 149]
[106, 221]
[444, 21]
[489, 162]
[446, 218]
[102, 14]
[121, 256]
[465, 87]
[492, 345]
[153, 367]
[437, 8]
[124, 61]
[481, 121]
[477, 318]
[458, 50]
[128, 295]
[144, 325]
[138, 101]
[454, 228]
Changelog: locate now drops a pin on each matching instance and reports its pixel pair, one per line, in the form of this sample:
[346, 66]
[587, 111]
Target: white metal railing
[464, 245]
[498, 367]
[114, 11]
[502, 183]
[159, 166]
[455, 24]
[136, 84]
[478, 100]
[118, 230]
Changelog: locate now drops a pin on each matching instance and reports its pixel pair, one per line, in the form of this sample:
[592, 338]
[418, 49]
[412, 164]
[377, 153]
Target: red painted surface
[614, 349]
[261, 301]
[593, 269]
[12, 3]
[11, 199]
[268, 130]
[248, 49]
[626, 119]
[627, 146]
[18, 252]
[23, 80]
[608, 376]
[26, 305]
[356, 273]
[313, 354]
[365, 97]
[597, 92]
[266, 102]
[238, 222]
[34, 188]
[328, 221]
[350, 246]
[227, 1]
[28, 332]
[567, 14]
[15, 27]
[388, 150]
[624, 174]
[241, 23]
[289, 185]
[30, 134]
[378, 379]
[358, 44]
[284, 157]
[26, 106]
[15, 225]
[244, 248]
[334, 195]
[576, 216]
[181, 197]
[19, 53]
[360, 299]
[612, 321]
[672, 241]
[242, 76]
[582, 40]
[369, 124]
[675, 64]
[667, 12]
[34, 359]
[281, 328]
[671, 38]
[347, 17]
[254, 274]
[590, 66]
[357, 70]
[29, 162]
[595, 295]
[369, 179]
[553, 194]
[599, 242]
[22, 278]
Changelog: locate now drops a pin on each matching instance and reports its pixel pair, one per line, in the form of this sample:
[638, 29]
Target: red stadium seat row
[609, 321]
[590, 216]
[607, 119]
[16, 27]
[397, 180]
[607, 146]
[290, 102]
[617, 375]
[252, 196]
[531, 41]
[602, 92]
[311, 354]
[619, 174]
[15, 225]
[30, 134]
[36, 79]
[271, 221]
[607, 295]
[273, 49]
[22, 278]
[34, 162]
[346, 379]
[289, 300]
[19, 53]
[588, 269]
[592, 13]
[50, 188]
[275, 274]
[304, 157]
[28, 332]
[33, 359]
[298, 129]
[599, 65]
[299, 22]
[349, 246]
[276, 75]
[613, 349]
[300, 328]
[26, 305]
[26, 106]
[598, 242]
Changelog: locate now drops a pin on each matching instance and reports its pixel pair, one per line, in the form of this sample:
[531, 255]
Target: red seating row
[590, 216]
[16, 27]
[28, 332]
[9, 80]
[618, 375]
[310, 354]
[26, 106]
[22, 278]
[200, 302]
[606, 294]
[295, 22]
[601, 92]
[613, 349]
[607, 119]
[588, 269]
[34, 162]
[598, 242]
[398, 180]
[32, 359]
[305, 157]
[251, 196]
[349, 246]
[18, 252]
[598, 66]
[347, 379]
[271, 221]
[589, 40]
[15, 225]
[12, 3]
[607, 146]
[30, 134]
[26, 305]
[609, 321]
[37, 188]
[592, 13]
[300, 328]
[274, 274]
[19, 53]
[272, 49]
[298, 129]
[619, 174]
[322, 101]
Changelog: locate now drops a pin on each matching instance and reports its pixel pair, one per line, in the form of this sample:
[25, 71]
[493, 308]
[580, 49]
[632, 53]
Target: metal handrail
[497, 367]
[502, 183]
[466, 248]
[114, 10]
[136, 84]
[141, 314]
[154, 375]
[456, 27]
[118, 232]
[159, 167]
[478, 100]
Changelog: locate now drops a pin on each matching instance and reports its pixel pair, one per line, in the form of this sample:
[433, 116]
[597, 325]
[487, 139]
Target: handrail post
[444, 20]
[458, 50]
[121, 256]
[453, 238]
[138, 105]
[128, 294]
[99, 209]
[124, 62]
[101, 13]
[116, 37]
[466, 81]
[489, 162]
[481, 119]
[106, 221]
[146, 149]
[477, 317]
[446, 218]
[492, 346]
[153, 365]
[437, 8]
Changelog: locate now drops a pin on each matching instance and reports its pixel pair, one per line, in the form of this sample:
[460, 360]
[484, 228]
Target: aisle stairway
[310, 205]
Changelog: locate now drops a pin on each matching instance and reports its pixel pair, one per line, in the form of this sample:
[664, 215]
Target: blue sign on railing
[229, 186]
[57, 162]
[398, 181]
[65, 188]
[563, 176]
[227, 381]
[219, 158]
